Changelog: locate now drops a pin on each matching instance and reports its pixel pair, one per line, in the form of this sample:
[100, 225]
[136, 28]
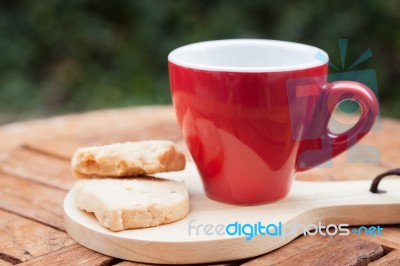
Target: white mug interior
[248, 55]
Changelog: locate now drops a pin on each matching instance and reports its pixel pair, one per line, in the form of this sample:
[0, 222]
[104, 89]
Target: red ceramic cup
[255, 112]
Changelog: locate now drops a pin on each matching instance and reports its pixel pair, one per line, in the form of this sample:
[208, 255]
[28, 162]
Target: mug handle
[327, 145]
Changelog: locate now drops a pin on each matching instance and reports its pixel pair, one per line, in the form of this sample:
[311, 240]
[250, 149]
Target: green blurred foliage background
[68, 56]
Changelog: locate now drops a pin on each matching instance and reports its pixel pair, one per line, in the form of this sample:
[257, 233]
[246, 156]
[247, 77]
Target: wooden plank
[3, 262]
[87, 127]
[319, 250]
[65, 148]
[83, 125]
[35, 201]
[390, 238]
[23, 239]
[391, 259]
[72, 255]
[54, 147]
[38, 167]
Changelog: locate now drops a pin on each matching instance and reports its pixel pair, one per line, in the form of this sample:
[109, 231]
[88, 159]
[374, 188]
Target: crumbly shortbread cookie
[127, 159]
[129, 203]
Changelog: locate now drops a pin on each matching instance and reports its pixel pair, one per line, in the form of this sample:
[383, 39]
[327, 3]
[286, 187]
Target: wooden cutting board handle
[195, 239]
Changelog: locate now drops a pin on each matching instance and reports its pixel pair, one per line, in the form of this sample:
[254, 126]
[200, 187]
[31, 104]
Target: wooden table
[35, 177]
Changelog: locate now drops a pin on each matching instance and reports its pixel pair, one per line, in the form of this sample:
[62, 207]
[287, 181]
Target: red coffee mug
[255, 112]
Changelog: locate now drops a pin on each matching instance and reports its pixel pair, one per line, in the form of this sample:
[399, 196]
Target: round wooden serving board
[186, 241]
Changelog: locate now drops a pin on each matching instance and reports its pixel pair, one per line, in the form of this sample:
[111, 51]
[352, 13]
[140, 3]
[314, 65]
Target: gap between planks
[32, 200]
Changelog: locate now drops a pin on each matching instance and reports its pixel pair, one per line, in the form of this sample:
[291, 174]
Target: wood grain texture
[32, 200]
[23, 239]
[147, 130]
[72, 255]
[91, 128]
[390, 238]
[85, 126]
[38, 167]
[53, 147]
[391, 259]
[3, 262]
[320, 250]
